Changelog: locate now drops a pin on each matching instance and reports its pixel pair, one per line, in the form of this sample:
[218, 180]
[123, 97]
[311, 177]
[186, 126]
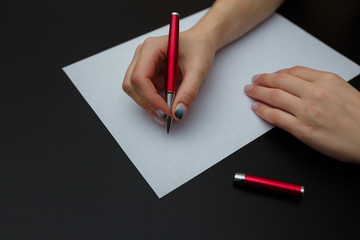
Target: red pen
[269, 184]
[172, 64]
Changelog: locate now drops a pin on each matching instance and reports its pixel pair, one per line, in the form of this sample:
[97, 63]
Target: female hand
[146, 76]
[226, 21]
[319, 108]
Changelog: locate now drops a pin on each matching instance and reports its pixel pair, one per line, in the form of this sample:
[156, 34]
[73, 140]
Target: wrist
[204, 37]
[215, 26]
[227, 20]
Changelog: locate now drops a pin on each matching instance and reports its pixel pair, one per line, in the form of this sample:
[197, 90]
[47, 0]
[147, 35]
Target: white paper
[220, 121]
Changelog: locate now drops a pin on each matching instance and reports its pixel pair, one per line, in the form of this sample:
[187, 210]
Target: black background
[63, 176]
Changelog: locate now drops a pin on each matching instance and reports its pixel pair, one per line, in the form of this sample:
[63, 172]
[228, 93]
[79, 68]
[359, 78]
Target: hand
[319, 108]
[146, 76]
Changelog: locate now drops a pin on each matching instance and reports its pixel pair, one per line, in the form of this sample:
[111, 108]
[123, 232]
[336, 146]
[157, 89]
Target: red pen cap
[172, 53]
[270, 184]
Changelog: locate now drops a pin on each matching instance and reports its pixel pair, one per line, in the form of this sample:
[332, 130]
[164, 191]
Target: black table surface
[63, 176]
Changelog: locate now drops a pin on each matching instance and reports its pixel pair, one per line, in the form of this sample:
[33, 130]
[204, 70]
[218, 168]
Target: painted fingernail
[255, 78]
[180, 110]
[248, 87]
[159, 120]
[254, 106]
[161, 114]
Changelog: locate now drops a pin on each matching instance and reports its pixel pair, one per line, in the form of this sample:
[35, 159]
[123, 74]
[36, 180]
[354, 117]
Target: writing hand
[146, 76]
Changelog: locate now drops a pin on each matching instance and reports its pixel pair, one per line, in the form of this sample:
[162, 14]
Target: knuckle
[126, 87]
[190, 94]
[264, 79]
[313, 110]
[332, 77]
[261, 78]
[274, 95]
[303, 132]
[281, 77]
[135, 80]
[275, 117]
[148, 41]
[138, 48]
[320, 93]
[307, 131]
[254, 91]
[296, 69]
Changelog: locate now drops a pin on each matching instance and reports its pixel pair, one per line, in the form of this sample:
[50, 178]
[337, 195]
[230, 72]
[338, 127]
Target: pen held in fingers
[172, 64]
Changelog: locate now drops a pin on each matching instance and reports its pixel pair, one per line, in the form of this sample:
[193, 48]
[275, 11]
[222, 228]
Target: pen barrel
[274, 185]
[172, 53]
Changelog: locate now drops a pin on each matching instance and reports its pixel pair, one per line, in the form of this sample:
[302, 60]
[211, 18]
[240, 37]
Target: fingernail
[255, 78]
[161, 114]
[248, 87]
[159, 120]
[180, 110]
[254, 106]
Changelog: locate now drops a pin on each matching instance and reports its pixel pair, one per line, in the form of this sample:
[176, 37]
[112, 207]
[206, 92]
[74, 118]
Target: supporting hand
[319, 108]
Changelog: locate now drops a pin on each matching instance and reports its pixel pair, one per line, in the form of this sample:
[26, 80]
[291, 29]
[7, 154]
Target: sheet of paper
[220, 121]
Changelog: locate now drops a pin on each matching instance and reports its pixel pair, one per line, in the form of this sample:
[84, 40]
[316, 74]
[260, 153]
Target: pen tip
[168, 124]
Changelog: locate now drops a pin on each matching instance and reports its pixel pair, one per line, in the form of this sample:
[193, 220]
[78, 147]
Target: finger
[274, 97]
[130, 69]
[158, 115]
[146, 91]
[127, 86]
[304, 73]
[135, 96]
[276, 117]
[186, 94]
[149, 59]
[284, 81]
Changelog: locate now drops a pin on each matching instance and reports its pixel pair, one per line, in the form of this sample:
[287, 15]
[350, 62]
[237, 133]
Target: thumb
[186, 95]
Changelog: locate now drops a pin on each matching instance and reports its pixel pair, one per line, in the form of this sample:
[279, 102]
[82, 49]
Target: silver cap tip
[302, 190]
[239, 177]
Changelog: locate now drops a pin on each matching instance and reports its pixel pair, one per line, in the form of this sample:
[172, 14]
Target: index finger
[153, 52]
[301, 72]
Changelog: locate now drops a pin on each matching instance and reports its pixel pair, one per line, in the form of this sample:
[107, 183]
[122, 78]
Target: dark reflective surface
[63, 176]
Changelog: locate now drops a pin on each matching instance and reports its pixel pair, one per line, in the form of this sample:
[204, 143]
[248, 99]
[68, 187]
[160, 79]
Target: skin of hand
[319, 108]
[146, 75]
[226, 21]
